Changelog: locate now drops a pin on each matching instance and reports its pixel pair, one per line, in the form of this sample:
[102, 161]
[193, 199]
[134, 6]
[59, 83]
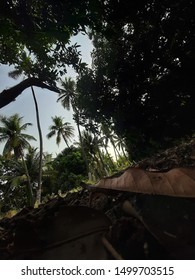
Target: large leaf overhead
[178, 182]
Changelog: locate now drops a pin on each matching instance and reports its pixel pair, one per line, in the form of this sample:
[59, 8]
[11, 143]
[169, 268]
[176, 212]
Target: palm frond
[15, 74]
[11, 132]
[27, 137]
[25, 126]
[51, 134]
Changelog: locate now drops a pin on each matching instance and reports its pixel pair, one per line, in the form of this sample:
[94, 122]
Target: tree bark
[40, 149]
[83, 151]
[9, 95]
[29, 186]
[66, 142]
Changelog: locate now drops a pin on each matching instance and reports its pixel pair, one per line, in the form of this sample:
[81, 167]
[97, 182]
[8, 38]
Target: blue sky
[47, 101]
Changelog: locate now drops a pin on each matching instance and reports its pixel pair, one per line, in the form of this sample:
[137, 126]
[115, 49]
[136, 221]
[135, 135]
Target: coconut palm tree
[14, 174]
[61, 129]
[67, 93]
[92, 146]
[67, 97]
[120, 143]
[105, 143]
[11, 132]
[25, 69]
[108, 132]
[14, 180]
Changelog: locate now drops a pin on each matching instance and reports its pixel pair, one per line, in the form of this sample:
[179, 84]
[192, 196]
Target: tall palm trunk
[124, 154]
[114, 148]
[105, 171]
[98, 172]
[30, 194]
[116, 152]
[76, 118]
[65, 140]
[40, 149]
[83, 151]
[108, 154]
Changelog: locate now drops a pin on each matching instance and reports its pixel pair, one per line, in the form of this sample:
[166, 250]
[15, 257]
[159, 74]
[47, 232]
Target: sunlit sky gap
[47, 101]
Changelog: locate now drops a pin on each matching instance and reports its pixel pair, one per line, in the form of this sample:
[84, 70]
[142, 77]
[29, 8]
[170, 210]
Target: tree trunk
[105, 171]
[115, 150]
[108, 155]
[83, 152]
[9, 95]
[30, 195]
[65, 140]
[40, 150]
[124, 154]
[98, 172]
[102, 162]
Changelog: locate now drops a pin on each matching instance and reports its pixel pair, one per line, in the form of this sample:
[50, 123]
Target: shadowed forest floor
[154, 227]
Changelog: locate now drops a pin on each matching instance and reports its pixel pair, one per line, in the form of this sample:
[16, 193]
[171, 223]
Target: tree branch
[9, 95]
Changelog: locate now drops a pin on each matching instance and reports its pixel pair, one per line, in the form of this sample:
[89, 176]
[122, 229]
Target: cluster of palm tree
[103, 153]
[11, 132]
[62, 130]
[25, 68]
[19, 164]
[95, 141]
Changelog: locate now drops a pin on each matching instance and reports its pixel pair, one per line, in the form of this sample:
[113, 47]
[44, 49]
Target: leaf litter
[144, 212]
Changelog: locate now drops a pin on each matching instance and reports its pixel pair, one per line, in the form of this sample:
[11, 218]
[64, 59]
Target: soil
[157, 227]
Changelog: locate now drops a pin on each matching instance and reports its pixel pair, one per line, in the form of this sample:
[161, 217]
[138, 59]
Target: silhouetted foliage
[69, 168]
[142, 76]
[143, 61]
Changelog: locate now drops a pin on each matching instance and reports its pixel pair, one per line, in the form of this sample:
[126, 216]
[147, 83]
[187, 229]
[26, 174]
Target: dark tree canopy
[70, 169]
[9, 95]
[35, 38]
[143, 60]
[38, 25]
[142, 77]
